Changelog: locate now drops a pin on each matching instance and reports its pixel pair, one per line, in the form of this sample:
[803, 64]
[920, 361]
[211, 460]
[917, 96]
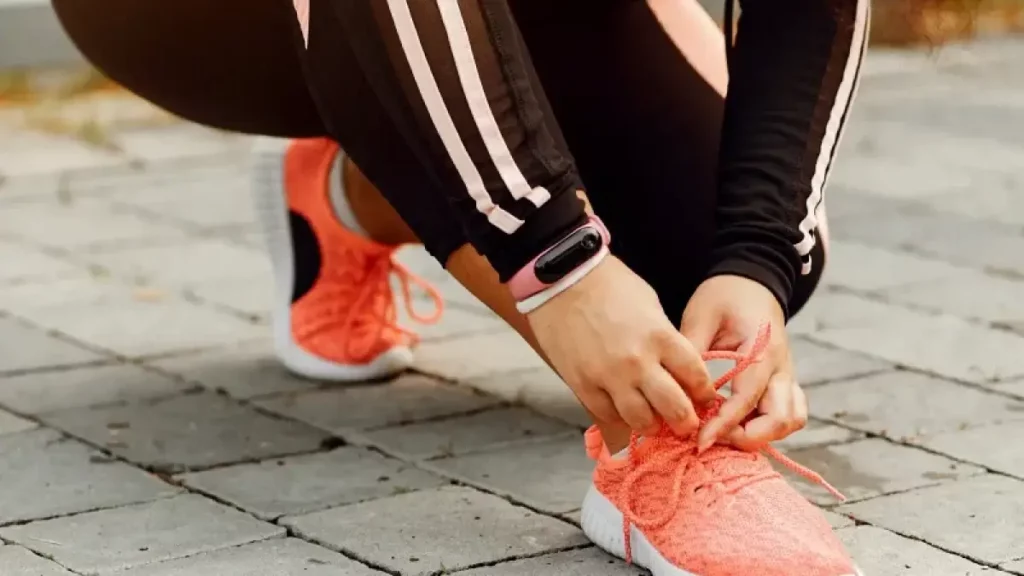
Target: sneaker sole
[602, 523]
[268, 156]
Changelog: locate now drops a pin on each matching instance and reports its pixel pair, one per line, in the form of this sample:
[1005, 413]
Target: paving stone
[881, 553]
[243, 371]
[968, 295]
[941, 344]
[817, 434]
[837, 520]
[140, 328]
[23, 264]
[81, 225]
[178, 141]
[158, 178]
[907, 406]
[551, 476]
[466, 434]
[950, 237]
[905, 178]
[112, 540]
[302, 484]
[22, 187]
[278, 557]
[208, 200]
[244, 296]
[874, 467]
[45, 475]
[34, 152]
[990, 446]
[23, 347]
[410, 398]
[1000, 202]
[866, 268]
[979, 156]
[1013, 387]
[967, 118]
[830, 310]
[586, 562]
[188, 263]
[90, 288]
[978, 517]
[477, 356]
[541, 389]
[18, 561]
[1015, 567]
[12, 424]
[420, 540]
[85, 386]
[187, 432]
[816, 364]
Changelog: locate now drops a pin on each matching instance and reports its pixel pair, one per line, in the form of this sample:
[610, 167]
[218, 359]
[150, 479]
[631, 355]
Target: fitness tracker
[560, 266]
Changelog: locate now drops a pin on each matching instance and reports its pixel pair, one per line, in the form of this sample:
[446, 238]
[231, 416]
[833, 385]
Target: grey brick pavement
[146, 429]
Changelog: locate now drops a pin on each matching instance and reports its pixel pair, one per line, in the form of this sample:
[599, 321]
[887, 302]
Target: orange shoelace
[716, 485]
[361, 304]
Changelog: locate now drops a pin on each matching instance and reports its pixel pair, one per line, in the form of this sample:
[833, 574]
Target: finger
[682, 360]
[746, 394]
[700, 329]
[634, 409]
[800, 409]
[668, 400]
[601, 408]
[777, 418]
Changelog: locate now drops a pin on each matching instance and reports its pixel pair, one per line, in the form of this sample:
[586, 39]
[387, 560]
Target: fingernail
[703, 443]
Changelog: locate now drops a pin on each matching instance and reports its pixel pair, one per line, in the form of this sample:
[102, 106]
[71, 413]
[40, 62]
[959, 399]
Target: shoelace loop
[370, 310]
[681, 449]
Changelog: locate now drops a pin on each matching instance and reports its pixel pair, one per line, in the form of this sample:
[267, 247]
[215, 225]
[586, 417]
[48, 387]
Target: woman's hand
[725, 313]
[609, 339]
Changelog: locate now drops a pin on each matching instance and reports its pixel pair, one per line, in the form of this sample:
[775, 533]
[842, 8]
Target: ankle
[371, 213]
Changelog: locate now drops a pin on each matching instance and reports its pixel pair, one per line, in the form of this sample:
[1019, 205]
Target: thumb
[700, 327]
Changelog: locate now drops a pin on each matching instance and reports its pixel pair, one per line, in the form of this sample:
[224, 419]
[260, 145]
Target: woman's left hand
[725, 314]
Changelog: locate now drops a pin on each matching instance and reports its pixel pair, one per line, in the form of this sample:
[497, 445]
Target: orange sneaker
[722, 513]
[334, 315]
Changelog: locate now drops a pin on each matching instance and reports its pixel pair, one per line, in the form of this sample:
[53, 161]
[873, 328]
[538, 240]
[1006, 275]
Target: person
[627, 189]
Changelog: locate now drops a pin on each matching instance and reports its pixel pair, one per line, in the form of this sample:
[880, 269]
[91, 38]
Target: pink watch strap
[525, 282]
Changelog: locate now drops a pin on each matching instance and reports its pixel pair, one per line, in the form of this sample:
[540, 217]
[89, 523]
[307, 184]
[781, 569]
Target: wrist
[561, 266]
[769, 277]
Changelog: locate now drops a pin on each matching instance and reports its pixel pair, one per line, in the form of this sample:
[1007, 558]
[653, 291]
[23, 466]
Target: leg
[231, 65]
[227, 64]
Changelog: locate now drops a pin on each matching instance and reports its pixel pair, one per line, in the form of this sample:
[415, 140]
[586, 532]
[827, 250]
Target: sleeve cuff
[763, 273]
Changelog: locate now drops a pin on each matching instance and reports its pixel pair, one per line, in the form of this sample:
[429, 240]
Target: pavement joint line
[897, 367]
[922, 448]
[516, 558]
[857, 376]
[330, 442]
[346, 553]
[875, 296]
[91, 510]
[932, 544]
[58, 335]
[60, 368]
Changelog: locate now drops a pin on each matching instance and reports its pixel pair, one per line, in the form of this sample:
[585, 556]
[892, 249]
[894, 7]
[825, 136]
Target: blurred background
[136, 369]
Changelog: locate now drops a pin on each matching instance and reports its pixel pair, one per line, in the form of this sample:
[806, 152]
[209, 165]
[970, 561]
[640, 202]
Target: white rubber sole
[602, 523]
[268, 155]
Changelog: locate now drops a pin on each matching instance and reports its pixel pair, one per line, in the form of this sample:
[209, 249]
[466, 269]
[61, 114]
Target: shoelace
[681, 451]
[371, 302]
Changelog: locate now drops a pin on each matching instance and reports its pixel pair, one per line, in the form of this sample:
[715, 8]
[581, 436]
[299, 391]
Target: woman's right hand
[609, 339]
